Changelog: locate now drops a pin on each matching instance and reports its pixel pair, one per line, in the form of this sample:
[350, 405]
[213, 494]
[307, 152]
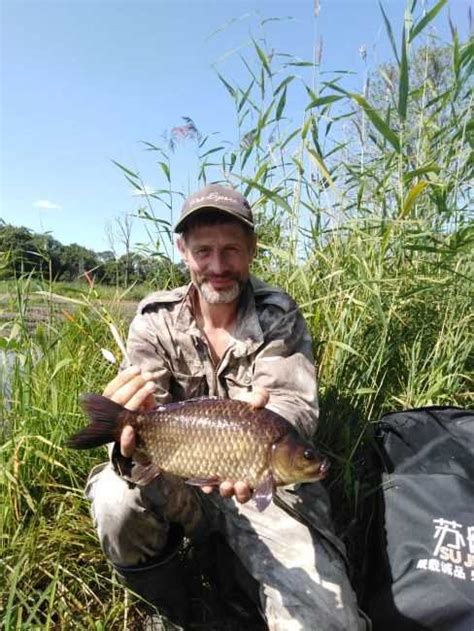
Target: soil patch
[37, 311]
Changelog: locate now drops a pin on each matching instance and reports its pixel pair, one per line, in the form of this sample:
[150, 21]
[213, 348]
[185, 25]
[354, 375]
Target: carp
[208, 440]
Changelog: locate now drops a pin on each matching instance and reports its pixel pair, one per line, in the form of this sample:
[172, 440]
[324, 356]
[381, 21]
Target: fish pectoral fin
[122, 466]
[143, 474]
[263, 494]
[203, 481]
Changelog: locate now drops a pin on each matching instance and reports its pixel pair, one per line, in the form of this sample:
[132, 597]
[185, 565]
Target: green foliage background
[41, 257]
[364, 217]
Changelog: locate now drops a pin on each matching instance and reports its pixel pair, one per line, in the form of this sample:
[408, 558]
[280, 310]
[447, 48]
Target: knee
[129, 531]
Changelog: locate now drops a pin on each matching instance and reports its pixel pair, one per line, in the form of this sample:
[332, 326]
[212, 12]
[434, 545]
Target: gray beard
[214, 297]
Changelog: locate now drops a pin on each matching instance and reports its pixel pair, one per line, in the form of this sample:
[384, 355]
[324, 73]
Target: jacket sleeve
[144, 350]
[285, 367]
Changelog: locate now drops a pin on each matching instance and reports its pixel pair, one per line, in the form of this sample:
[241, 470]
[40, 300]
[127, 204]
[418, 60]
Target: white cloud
[45, 204]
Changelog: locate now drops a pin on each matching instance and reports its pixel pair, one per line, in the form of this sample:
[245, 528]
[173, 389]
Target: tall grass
[364, 216]
[51, 575]
[77, 288]
[363, 211]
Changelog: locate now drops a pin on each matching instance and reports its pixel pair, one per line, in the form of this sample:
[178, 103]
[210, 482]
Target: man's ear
[181, 247]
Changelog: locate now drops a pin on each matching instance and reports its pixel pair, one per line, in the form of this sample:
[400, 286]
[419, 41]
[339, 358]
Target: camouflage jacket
[271, 347]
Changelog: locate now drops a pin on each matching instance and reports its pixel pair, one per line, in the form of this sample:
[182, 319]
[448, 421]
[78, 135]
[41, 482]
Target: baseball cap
[223, 198]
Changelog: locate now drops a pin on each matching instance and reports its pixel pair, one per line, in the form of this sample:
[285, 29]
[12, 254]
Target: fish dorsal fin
[264, 492]
[176, 405]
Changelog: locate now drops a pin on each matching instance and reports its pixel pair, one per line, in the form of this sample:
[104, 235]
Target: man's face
[218, 258]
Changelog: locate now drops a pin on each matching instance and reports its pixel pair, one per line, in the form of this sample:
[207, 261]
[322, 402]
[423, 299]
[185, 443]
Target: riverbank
[52, 571]
[40, 308]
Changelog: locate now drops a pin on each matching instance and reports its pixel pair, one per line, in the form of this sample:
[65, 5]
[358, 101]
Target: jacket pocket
[184, 386]
[238, 384]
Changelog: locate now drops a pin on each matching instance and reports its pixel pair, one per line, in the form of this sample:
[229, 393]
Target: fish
[206, 441]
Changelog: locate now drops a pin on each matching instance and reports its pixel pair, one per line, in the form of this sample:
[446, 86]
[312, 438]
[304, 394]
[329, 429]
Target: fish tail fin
[106, 423]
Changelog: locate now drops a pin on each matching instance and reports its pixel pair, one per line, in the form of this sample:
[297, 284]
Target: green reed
[362, 202]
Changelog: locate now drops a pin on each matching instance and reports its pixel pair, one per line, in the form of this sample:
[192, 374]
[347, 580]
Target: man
[226, 335]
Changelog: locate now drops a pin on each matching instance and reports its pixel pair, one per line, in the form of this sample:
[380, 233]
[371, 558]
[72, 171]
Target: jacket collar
[248, 332]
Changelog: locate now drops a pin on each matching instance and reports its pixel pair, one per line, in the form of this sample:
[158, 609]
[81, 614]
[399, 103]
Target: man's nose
[217, 263]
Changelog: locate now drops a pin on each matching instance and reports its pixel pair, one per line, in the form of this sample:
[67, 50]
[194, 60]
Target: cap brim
[179, 225]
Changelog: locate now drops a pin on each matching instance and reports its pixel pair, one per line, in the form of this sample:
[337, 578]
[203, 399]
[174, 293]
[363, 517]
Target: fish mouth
[324, 467]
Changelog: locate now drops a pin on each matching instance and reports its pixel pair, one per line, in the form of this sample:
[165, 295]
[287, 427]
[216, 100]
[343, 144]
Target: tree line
[25, 252]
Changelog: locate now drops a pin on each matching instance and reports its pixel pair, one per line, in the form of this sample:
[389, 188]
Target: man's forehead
[224, 232]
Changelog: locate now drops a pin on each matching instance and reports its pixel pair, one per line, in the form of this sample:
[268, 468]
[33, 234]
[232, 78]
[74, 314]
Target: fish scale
[205, 441]
[199, 446]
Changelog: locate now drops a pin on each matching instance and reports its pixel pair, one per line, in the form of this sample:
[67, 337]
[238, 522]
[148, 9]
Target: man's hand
[133, 389]
[258, 398]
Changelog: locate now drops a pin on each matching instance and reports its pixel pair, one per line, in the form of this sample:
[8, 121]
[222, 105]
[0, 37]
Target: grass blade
[388, 26]
[404, 81]
[269, 194]
[227, 85]
[166, 170]
[431, 167]
[263, 58]
[425, 20]
[411, 197]
[281, 105]
[283, 84]
[126, 171]
[378, 122]
[245, 95]
[323, 100]
[319, 162]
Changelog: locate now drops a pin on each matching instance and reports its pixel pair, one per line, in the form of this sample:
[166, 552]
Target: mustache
[229, 276]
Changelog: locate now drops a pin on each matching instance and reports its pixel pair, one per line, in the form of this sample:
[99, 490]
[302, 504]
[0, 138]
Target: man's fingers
[132, 389]
[242, 492]
[121, 379]
[131, 393]
[149, 403]
[127, 441]
[207, 489]
[127, 388]
[140, 399]
[258, 397]
[226, 489]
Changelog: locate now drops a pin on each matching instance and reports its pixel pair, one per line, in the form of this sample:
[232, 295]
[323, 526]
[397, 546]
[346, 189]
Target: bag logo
[453, 552]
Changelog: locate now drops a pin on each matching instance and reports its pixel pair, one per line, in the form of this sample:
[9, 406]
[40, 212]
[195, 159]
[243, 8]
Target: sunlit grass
[362, 217]
[74, 289]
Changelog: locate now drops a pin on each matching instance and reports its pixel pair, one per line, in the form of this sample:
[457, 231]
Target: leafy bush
[363, 212]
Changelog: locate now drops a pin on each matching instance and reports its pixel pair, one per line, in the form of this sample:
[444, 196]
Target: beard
[220, 296]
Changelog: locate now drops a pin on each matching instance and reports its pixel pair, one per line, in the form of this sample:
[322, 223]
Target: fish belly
[207, 451]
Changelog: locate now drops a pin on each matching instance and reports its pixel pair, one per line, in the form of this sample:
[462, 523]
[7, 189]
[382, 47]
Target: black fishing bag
[421, 542]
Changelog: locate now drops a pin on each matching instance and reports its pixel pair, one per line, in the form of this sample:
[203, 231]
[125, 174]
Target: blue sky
[84, 81]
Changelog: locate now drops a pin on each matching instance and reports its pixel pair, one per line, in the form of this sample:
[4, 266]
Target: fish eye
[309, 454]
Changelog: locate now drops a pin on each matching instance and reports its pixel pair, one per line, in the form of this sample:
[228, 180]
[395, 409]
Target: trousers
[300, 573]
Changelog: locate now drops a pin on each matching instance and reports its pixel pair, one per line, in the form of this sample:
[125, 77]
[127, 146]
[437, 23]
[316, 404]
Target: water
[7, 365]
